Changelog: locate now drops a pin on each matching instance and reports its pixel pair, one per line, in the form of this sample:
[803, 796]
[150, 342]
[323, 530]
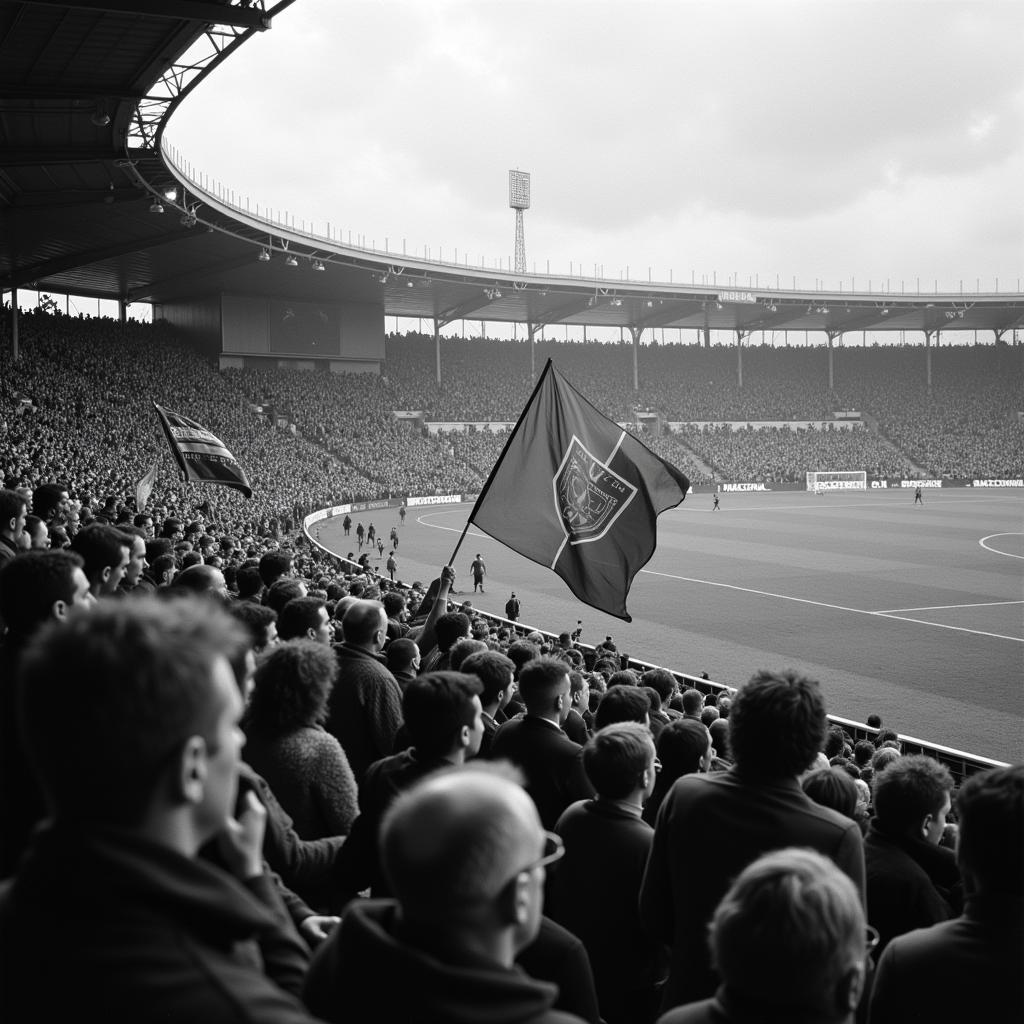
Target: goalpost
[848, 480]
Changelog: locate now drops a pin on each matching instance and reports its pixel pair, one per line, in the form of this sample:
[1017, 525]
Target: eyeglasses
[554, 849]
[871, 938]
[657, 764]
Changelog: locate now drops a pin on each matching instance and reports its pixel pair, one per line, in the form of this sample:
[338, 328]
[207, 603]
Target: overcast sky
[831, 140]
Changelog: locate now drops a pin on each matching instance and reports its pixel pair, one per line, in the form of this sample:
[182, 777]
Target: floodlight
[156, 206]
[291, 261]
[264, 256]
[317, 265]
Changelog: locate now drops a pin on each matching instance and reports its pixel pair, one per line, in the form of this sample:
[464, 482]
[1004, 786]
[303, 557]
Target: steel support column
[636, 332]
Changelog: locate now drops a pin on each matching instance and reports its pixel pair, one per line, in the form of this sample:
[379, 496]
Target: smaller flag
[144, 488]
[576, 493]
[201, 456]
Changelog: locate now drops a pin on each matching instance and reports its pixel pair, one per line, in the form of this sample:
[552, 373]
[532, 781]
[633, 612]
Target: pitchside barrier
[960, 763]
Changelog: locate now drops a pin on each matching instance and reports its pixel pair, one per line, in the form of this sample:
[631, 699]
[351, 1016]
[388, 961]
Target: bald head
[452, 845]
[365, 624]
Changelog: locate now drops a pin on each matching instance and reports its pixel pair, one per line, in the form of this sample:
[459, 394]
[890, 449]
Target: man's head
[461, 650]
[451, 627]
[203, 580]
[403, 656]
[13, 510]
[684, 747]
[137, 563]
[131, 716]
[105, 551]
[305, 618]
[496, 674]
[544, 687]
[249, 582]
[261, 623]
[37, 533]
[623, 704]
[912, 798]
[661, 680]
[619, 761]
[693, 701]
[789, 935]
[394, 605]
[464, 852]
[38, 586]
[777, 725]
[50, 502]
[990, 853]
[442, 715]
[274, 565]
[283, 590]
[365, 625]
[579, 692]
[522, 652]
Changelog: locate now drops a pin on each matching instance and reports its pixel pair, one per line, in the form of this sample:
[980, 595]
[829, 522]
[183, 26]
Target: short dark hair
[462, 649]
[161, 564]
[248, 581]
[298, 615]
[661, 680]
[114, 690]
[273, 565]
[450, 627]
[862, 752]
[616, 756]
[435, 706]
[622, 704]
[908, 790]
[835, 741]
[492, 669]
[256, 618]
[624, 677]
[401, 653]
[292, 686]
[100, 547]
[777, 724]
[281, 591]
[539, 680]
[693, 701]
[681, 745]
[990, 806]
[12, 504]
[831, 787]
[394, 603]
[46, 498]
[522, 652]
[31, 583]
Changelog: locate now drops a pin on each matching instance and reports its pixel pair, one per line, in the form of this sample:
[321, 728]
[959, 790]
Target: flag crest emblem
[589, 495]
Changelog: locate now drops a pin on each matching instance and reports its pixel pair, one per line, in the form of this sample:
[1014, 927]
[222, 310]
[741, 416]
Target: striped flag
[144, 488]
[201, 456]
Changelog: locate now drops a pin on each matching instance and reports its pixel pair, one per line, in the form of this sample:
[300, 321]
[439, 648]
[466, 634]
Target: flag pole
[494, 468]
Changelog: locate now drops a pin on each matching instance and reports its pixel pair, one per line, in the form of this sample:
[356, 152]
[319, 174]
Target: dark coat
[128, 932]
[911, 884]
[594, 891]
[368, 971]
[551, 762]
[968, 969]
[365, 709]
[709, 828]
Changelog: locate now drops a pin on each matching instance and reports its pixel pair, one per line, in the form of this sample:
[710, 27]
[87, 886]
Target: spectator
[286, 742]
[13, 513]
[495, 673]
[104, 552]
[912, 881]
[788, 940]
[131, 716]
[777, 726]
[305, 618]
[403, 658]
[607, 844]
[968, 968]
[684, 748]
[550, 761]
[623, 704]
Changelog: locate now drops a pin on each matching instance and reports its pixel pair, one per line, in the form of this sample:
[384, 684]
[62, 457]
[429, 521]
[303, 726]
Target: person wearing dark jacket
[465, 855]
[130, 713]
[912, 881]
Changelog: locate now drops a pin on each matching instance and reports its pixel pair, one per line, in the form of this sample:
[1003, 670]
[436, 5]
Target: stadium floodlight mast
[519, 200]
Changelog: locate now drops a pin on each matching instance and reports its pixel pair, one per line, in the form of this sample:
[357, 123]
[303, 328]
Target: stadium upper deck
[86, 91]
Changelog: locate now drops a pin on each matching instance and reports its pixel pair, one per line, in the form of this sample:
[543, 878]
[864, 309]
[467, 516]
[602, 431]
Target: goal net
[849, 480]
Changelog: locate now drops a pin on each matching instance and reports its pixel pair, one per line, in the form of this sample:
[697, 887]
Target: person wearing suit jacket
[535, 742]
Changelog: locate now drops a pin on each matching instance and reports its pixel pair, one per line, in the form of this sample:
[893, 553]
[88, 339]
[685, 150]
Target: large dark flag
[575, 492]
[201, 456]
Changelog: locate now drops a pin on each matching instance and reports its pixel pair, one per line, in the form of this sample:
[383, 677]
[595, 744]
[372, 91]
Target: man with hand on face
[130, 714]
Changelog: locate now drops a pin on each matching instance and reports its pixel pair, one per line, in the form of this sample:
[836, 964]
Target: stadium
[853, 510]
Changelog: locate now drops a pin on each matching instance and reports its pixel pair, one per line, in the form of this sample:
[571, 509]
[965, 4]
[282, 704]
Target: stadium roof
[86, 90]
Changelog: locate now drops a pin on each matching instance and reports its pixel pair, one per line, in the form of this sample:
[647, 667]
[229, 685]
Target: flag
[201, 457]
[144, 488]
[574, 492]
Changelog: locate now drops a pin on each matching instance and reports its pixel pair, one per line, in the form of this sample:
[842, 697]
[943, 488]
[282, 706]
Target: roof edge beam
[179, 10]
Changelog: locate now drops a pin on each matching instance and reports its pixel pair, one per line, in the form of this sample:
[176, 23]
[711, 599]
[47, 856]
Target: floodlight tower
[519, 200]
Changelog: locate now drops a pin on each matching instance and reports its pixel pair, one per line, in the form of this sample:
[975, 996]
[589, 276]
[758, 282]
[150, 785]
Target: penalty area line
[833, 607]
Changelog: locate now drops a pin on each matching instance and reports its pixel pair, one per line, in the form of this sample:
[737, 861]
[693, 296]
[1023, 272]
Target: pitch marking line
[940, 607]
[996, 551]
[834, 607]
[781, 597]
